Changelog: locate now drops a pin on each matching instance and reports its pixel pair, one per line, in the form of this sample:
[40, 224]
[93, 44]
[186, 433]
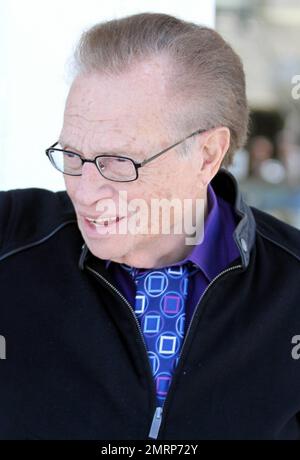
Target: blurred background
[266, 34]
[36, 43]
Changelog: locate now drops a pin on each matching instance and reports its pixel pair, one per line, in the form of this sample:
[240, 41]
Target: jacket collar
[226, 186]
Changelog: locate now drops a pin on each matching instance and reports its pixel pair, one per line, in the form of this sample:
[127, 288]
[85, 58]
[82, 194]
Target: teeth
[103, 220]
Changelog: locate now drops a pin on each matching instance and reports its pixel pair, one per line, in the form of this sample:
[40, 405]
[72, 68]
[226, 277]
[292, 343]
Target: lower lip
[94, 231]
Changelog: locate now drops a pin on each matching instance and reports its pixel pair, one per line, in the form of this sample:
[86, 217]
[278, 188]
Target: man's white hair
[207, 81]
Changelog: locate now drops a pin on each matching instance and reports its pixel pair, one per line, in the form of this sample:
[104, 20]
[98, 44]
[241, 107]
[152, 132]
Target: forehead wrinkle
[108, 127]
[92, 120]
[72, 127]
[123, 148]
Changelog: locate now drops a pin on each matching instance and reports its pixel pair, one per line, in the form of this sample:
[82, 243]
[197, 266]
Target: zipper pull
[156, 421]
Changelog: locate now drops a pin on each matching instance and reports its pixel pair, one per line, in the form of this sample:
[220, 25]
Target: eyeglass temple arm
[52, 146]
[199, 131]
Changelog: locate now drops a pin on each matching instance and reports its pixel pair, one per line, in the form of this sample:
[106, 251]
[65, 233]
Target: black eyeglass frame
[136, 164]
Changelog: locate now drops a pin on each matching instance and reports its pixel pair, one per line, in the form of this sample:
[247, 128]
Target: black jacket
[76, 366]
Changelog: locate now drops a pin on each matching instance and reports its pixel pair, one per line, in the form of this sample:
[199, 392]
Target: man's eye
[121, 160]
[71, 156]
[71, 160]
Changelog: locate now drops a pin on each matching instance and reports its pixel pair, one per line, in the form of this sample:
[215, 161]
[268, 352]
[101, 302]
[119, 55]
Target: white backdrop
[36, 41]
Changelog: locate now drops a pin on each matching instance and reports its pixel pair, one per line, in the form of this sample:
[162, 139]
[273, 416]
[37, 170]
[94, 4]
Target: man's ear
[215, 144]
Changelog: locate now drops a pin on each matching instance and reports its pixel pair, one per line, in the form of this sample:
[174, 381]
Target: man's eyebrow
[67, 146]
[117, 151]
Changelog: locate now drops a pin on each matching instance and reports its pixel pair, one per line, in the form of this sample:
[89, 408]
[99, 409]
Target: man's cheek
[69, 187]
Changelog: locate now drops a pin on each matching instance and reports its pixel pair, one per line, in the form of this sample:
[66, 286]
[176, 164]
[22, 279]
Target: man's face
[124, 115]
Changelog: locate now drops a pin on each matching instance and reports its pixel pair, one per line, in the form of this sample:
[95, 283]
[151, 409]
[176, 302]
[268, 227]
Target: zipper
[156, 422]
[157, 417]
[132, 314]
[235, 267]
[125, 301]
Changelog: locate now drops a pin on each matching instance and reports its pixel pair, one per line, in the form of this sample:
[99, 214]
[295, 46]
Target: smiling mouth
[104, 221]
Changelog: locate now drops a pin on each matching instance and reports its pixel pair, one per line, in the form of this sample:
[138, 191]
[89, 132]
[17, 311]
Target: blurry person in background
[263, 165]
[121, 332]
[260, 149]
[289, 153]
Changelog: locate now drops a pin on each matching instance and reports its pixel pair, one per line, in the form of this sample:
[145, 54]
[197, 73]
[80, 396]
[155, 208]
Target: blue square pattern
[154, 363]
[156, 283]
[175, 270]
[152, 323]
[171, 304]
[185, 286]
[181, 324]
[167, 344]
[140, 302]
[162, 385]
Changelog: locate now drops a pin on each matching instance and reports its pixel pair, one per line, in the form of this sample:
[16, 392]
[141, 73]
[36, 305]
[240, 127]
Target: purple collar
[218, 245]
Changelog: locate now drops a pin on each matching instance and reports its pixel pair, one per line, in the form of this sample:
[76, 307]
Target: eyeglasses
[112, 167]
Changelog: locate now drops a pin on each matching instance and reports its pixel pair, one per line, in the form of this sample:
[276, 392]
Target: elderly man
[114, 330]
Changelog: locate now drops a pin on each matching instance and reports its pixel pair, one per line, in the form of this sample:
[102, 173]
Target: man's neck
[165, 250]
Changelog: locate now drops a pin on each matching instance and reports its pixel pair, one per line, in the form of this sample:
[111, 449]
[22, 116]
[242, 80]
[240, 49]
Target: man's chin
[106, 250]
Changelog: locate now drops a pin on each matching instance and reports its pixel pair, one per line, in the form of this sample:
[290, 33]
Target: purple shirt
[209, 258]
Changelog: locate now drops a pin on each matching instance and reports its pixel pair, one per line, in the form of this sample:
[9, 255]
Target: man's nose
[92, 186]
